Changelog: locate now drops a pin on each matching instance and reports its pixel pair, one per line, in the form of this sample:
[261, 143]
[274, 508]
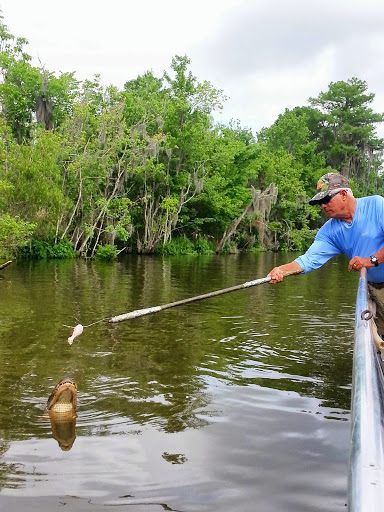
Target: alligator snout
[63, 397]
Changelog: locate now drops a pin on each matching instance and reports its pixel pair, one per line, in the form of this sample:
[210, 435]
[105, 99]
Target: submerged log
[5, 264]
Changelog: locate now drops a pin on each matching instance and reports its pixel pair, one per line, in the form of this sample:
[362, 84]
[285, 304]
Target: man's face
[334, 205]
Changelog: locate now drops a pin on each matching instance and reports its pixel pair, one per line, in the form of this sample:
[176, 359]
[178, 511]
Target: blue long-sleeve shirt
[363, 237]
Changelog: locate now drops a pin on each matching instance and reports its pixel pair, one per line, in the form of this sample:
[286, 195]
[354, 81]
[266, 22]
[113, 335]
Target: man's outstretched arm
[277, 274]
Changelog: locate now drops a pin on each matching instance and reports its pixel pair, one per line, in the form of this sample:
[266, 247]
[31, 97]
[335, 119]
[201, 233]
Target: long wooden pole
[156, 309]
[3, 265]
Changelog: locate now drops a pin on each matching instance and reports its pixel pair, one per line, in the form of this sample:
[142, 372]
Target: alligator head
[63, 397]
[61, 406]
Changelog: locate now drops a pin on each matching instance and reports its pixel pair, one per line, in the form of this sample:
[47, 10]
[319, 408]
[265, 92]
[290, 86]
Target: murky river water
[237, 403]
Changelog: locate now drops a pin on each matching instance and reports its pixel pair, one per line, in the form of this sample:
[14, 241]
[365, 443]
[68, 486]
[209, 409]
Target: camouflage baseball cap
[327, 184]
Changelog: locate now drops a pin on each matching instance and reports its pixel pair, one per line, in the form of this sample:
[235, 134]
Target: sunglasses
[326, 199]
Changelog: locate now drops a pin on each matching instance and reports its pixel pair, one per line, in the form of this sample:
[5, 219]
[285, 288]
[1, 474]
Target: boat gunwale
[366, 467]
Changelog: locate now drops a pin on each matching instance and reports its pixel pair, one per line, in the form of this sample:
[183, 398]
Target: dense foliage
[99, 170]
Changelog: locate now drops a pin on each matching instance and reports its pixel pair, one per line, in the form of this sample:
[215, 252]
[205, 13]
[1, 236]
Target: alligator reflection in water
[62, 413]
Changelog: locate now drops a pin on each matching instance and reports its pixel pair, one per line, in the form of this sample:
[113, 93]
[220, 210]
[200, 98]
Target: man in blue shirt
[355, 228]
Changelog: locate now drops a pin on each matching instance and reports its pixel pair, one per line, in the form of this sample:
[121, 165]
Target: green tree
[172, 148]
[14, 235]
[20, 84]
[32, 172]
[30, 95]
[288, 157]
[346, 129]
[227, 188]
[96, 172]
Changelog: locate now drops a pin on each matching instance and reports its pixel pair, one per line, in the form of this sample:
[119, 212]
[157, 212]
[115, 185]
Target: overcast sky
[266, 55]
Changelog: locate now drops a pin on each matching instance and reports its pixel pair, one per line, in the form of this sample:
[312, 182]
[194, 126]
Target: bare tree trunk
[103, 210]
[261, 203]
[76, 237]
[74, 210]
[98, 238]
[232, 228]
[57, 227]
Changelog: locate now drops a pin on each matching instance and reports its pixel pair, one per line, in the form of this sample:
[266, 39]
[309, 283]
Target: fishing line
[89, 325]
[78, 329]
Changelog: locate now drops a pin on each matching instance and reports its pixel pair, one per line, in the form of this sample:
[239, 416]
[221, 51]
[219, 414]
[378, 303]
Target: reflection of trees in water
[5, 469]
[171, 412]
[174, 458]
[12, 475]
